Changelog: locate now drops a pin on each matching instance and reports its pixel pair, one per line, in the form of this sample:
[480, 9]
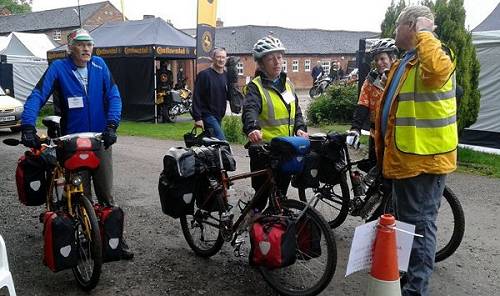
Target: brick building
[57, 23]
[304, 48]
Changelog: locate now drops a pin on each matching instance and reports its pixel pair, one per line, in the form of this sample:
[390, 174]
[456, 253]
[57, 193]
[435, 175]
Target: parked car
[10, 112]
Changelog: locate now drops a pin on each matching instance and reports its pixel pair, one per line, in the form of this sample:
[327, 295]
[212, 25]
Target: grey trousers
[102, 178]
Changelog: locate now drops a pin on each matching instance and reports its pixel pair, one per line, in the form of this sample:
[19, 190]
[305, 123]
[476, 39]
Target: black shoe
[126, 253]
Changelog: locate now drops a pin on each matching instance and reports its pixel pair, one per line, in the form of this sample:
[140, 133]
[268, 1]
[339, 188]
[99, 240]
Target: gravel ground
[164, 264]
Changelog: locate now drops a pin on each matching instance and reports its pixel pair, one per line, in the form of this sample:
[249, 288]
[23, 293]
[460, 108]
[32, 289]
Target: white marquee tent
[485, 132]
[27, 52]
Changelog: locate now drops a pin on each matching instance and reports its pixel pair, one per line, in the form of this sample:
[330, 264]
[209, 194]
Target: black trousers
[282, 180]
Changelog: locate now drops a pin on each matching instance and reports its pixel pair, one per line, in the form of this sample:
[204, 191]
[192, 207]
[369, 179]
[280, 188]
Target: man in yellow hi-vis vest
[271, 106]
[416, 135]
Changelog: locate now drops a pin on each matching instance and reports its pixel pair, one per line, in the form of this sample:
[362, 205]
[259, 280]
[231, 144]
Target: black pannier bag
[309, 177]
[176, 195]
[59, 249]
[31, 179]
[332, 157]
[111, 221]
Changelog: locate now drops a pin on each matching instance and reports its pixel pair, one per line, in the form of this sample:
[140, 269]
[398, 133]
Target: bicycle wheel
[333, 202]
[88, 237]
[307, 276]
[450, 225]
[202, 229]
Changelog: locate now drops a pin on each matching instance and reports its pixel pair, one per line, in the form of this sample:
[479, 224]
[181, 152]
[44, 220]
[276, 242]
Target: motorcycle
[319, 86]
[174, 102]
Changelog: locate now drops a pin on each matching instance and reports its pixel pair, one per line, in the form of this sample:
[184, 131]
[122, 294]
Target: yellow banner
[207, 12]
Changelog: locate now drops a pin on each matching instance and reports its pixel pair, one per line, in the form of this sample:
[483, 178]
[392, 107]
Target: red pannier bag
[31, 179]
[59, 249]
[111, 228]
[308, 239]
[272, 242]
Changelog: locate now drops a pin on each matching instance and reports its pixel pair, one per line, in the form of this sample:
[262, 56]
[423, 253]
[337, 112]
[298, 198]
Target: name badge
[75, 102]
[288, 97]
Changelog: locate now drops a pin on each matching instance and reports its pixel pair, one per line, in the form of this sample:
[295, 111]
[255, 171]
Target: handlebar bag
[31, 179]
[81, 152]
[308, 239]
[176, 195]
[59, 249]
[111, 221]
[272, 242]
[290, 151]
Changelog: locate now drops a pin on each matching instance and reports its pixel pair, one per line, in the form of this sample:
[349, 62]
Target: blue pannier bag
[290, 152]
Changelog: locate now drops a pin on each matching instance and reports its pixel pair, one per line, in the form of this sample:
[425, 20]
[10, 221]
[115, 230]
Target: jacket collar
[72, 64]
[268, 82]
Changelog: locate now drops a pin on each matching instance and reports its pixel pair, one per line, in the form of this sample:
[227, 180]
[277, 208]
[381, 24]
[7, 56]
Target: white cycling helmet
[266, 45]
[387, 45]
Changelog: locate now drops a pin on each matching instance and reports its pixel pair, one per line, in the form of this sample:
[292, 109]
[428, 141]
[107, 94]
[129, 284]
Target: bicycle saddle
[205, 141]
[53, 126]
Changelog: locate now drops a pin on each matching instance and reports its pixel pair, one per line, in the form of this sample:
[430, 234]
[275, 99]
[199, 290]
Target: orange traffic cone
[384, 275]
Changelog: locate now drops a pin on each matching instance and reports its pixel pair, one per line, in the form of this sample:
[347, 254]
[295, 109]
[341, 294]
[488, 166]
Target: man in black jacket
[210, 95]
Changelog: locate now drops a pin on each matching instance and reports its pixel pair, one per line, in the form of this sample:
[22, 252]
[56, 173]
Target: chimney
[148, 16]
[219, 23]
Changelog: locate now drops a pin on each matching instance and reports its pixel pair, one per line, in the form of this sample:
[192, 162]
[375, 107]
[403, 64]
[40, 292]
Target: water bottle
[370, 177]
[357, 187]
[59, 188]
[226, 222]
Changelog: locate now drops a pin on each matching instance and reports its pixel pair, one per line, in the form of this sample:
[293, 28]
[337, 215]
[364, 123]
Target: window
[326, 66]
[239, 67]
[56, 35]
[283, 67]
[307, 65]
[295, 66]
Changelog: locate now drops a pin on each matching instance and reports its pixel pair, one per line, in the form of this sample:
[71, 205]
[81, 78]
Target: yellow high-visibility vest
[426, 118]
[275, 119]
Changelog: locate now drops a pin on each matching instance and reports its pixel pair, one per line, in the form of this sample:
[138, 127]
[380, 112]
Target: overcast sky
[321, 14]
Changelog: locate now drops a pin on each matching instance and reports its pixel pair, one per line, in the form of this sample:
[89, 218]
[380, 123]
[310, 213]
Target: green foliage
[174, 131]
[17, 6]
[233, 129]
[450, 22]
[388, 26]
[337, 105]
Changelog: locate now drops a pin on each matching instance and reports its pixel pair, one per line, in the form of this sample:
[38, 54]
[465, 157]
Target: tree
[450, 22]
[17, 6]
[388, 26]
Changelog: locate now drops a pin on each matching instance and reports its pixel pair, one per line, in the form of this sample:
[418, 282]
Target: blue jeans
[213, 125]
[417, 202]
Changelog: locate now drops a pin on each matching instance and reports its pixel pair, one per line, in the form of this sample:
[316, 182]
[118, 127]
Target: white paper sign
[288, 97]
[360, 256]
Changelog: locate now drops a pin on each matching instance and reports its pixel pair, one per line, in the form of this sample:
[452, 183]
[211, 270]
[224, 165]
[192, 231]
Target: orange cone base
[383, 288]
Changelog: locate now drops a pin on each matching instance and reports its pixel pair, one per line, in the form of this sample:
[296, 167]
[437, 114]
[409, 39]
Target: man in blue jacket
[87, 99]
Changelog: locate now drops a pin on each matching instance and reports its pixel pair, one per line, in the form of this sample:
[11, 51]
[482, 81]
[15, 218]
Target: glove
[352, 139]
[109, 136]
[29, 137]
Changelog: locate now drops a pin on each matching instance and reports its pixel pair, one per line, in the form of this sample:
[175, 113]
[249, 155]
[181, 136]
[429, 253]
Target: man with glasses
[210, 95]
[88, 100]
[416, 135]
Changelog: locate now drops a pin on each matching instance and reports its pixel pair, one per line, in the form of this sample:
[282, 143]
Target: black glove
[29, 137]
[109, 136]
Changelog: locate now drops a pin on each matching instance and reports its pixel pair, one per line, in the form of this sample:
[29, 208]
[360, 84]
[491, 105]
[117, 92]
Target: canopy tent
[23, 61]
[485, 132]
[130, 49]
